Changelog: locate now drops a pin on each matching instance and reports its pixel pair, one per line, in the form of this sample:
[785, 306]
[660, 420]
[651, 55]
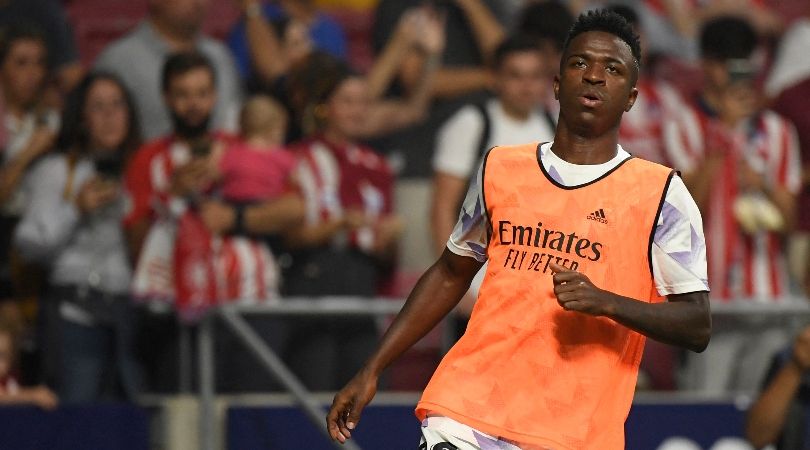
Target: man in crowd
[171, 26]
[169, 174]
[744, 177]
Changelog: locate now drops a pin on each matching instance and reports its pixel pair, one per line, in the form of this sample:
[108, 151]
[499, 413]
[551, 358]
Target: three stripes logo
[598, 215]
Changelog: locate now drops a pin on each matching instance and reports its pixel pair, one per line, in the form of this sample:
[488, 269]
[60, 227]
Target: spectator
[515, 115]
[165, 178]
[171, 26]
[252, 170]
[293, 21]
[50, 17]
[258, 168]
[420, 30]
[27, 132]
[473, 33]
[749, 157]
[349, 239]
[788, 85]
[548, 23]
[779, 415]
[655, 128]
[11, 393]
[71, 225]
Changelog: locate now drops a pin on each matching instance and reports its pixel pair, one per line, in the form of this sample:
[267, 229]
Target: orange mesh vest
[526, 369]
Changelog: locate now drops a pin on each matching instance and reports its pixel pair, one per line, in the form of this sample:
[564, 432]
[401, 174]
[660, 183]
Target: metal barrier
[231, 315]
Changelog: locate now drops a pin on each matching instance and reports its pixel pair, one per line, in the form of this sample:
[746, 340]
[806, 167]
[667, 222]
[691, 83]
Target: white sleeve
[49, 220]
[457, 143]
[470, 236]
[679, 246]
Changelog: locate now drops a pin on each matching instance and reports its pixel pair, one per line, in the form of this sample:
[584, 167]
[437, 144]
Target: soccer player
[583, 242]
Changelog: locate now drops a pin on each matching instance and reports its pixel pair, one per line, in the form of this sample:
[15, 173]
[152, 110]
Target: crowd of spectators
[181, 170]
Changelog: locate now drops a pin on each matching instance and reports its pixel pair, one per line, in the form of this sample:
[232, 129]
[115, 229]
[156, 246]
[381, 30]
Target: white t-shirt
[457, 143]
[679, 246]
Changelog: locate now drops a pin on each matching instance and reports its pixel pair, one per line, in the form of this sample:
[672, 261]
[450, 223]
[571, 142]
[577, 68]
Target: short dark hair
[629, 14]
[513, 44]
[549, 20]
[183, 62]
[73, 133]
[22, 31]
[608, 22]
[727, 37]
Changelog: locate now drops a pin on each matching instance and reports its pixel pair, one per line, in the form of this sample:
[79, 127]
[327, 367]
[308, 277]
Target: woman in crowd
[71, 224]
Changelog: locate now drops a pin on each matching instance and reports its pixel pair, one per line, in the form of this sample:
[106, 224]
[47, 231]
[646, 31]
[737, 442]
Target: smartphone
[201, 148]
[109, 168]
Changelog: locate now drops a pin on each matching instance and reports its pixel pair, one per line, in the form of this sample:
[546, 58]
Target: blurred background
[211, 210]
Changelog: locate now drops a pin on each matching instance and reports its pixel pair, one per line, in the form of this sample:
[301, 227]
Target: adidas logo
[598, 215]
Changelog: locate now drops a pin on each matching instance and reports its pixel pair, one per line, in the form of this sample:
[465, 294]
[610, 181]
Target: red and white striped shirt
[335, 179]
[190, 268]
[657, 127]
[745, 265]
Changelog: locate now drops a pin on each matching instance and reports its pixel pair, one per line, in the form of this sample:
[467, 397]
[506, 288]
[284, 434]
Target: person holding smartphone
[748, 154]
[71, 224]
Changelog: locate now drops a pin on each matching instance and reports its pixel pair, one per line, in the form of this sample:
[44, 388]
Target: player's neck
[584, 150]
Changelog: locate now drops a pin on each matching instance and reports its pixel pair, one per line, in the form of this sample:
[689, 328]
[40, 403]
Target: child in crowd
[257, 168]
[11, 393]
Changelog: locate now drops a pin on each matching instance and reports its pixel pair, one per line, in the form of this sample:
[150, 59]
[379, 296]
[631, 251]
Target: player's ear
[632, 99]
[556, 87]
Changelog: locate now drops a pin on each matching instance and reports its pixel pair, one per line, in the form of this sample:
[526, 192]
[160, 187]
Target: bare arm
[450, 82]
[487, 30]
[435, 295]
[388, 63]
[767, 416]
[266, 55]
[683, 320]
[448, 192]
[270, 217]
[387, 116]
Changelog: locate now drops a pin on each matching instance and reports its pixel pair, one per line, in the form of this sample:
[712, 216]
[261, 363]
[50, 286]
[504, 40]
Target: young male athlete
[579, 237]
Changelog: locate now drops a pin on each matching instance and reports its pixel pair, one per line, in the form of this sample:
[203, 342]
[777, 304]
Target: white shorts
[443, 433]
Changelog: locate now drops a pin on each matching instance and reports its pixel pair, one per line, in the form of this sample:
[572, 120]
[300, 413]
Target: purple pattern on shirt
[552, 172]
[672, 218]
[487, 443]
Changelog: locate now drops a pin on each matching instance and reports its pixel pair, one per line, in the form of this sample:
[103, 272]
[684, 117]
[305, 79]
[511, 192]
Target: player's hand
[575, 292]
[801, 349]
[348, 405]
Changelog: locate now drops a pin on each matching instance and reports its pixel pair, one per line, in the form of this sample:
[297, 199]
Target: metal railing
[232, 317]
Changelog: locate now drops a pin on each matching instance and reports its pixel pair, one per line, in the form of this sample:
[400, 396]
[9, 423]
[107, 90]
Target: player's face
[596, 83]
[520, 81]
